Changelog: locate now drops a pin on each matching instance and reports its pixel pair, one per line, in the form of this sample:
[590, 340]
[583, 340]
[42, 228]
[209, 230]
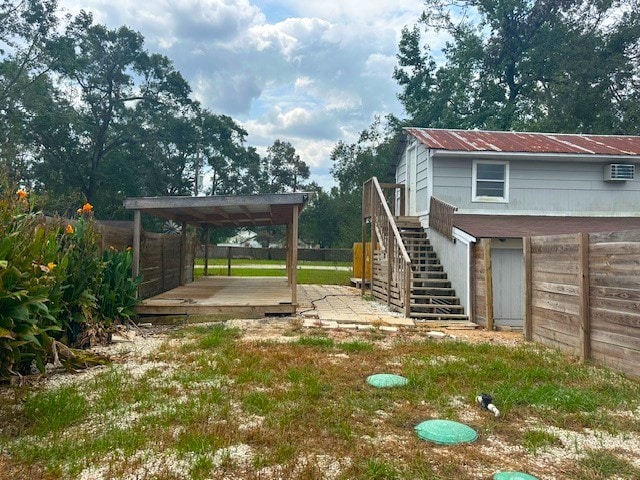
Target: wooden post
[294, 256]
[488, 277]
[228, 261]
[364, 243]
[402, 202]
[407, 291]
[137, 227]
[583, 292]
[206, 250]
[288, 250]
[528, 291]
[390, 264]
[183, 253]
[373, 237]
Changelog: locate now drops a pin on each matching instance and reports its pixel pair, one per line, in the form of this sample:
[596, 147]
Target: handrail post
[374, 209]
[407, 289]
[390, 264]
[364, 237]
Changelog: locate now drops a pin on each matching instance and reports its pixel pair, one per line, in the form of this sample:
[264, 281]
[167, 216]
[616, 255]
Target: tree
[370, 156]
[116, 79]
[554, 65]
[27, 36]
[282, 169]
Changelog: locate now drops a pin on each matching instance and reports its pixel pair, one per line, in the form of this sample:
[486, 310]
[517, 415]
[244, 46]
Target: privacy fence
[309, 254]
[582, 295]
[160, 258]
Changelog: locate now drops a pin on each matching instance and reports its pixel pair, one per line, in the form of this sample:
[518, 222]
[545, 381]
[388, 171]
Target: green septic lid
[445, 432]
[383, 380]
[513, 476]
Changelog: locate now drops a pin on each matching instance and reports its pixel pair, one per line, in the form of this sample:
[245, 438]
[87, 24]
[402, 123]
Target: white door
[507, 266]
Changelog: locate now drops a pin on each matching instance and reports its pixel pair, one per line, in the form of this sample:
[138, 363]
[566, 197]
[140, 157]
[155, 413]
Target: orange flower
[69, 229]
[79, 211]
[22, 195]
[87, 208]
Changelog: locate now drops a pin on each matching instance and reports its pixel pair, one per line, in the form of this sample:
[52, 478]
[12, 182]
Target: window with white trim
[490, 181]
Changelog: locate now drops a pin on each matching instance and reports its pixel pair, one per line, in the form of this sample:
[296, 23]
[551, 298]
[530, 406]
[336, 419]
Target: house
[477, 194]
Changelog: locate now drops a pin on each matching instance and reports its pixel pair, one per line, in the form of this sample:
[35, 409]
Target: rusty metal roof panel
[520, 142]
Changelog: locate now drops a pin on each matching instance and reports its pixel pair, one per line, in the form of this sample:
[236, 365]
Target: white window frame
[474, 182]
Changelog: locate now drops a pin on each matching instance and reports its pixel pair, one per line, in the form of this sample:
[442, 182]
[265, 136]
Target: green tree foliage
[89, 114]
[282, 169]
[333, 219]
[541, 65]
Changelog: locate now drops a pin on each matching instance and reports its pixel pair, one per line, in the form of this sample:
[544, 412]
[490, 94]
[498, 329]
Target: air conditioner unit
[618, 172]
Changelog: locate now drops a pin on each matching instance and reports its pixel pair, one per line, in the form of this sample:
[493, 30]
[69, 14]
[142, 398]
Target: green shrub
[54, 283]
[28, 255]
[118, 291]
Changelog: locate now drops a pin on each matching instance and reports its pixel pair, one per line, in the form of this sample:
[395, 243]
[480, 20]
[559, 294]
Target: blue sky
[307, 72]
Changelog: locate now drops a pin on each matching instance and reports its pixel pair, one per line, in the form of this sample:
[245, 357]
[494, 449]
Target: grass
[242, 267]
[208, 405]
[312, 277]
[250, 261]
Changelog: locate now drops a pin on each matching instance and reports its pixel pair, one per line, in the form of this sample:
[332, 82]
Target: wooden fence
[311, 254]
[159, 257]
[582, 295]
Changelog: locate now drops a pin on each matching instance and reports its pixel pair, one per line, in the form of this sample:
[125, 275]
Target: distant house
[478, 193]
[244, 238]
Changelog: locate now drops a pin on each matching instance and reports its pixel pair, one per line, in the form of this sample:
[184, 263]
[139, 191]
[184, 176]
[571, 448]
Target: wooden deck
[255, 296]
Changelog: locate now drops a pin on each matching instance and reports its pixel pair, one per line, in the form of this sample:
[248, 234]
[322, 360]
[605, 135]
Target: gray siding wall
[422, 191]
[556, 187]
[401, 177]
[453, 257]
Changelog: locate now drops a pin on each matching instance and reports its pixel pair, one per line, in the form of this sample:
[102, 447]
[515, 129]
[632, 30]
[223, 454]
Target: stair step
[430, 280]
[434, 289]
[429, 274]
[432, 306]
[439, 316]
[432, 297]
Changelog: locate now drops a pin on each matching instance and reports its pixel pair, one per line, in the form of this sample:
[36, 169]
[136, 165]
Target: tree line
[89, 114]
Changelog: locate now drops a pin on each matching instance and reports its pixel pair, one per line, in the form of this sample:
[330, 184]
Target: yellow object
[357, 260]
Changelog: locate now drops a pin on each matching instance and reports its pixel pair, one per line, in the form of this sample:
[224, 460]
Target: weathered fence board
[159, 259]
[583, 296]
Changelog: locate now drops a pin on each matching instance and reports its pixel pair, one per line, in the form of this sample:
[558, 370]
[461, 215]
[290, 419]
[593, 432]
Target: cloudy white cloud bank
[307, 72]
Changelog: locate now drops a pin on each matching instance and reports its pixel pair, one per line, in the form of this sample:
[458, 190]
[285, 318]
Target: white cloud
[311, 73]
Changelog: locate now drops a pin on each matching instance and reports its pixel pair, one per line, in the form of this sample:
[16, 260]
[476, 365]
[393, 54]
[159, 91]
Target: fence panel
[583, 296]
[615, 299]
[554, 301]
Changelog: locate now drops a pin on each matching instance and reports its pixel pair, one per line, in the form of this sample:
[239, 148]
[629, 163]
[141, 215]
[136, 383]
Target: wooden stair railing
[385, 232]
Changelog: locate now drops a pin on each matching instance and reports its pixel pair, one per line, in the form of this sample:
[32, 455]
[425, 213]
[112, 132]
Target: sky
[309, 72]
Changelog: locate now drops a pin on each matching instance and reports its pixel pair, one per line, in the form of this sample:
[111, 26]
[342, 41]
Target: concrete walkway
[333, 306]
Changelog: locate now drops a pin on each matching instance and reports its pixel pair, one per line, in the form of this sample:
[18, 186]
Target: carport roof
[223, 210]
[519, 226]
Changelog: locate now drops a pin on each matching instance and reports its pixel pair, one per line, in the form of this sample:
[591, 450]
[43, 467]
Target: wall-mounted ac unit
[618, 172]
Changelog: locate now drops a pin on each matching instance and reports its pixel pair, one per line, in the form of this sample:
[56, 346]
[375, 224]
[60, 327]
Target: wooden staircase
[432, 297]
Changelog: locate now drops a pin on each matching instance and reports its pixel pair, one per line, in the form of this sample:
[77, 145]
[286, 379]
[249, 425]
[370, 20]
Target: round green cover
[383, 380]
[513, 476]
[445, 432]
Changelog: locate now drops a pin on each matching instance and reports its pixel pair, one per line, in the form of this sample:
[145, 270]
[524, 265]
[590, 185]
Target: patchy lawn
[266, 399]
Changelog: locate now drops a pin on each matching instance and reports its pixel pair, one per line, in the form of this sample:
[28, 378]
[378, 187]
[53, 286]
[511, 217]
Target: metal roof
[519, 226]
[223, 210]
[520, 142]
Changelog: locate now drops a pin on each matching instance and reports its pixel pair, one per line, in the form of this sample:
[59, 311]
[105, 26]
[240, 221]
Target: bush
[28, 258]
[55, 284]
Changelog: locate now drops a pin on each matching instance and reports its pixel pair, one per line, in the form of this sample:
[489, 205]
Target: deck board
[217, 295]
